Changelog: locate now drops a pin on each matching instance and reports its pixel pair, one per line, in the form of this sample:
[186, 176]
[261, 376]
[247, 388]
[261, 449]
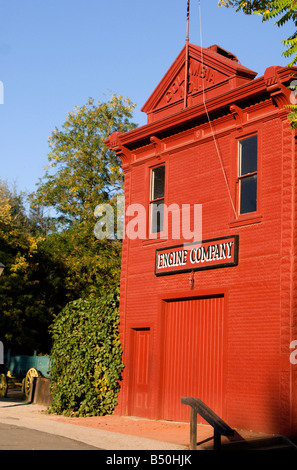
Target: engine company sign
[207, 254]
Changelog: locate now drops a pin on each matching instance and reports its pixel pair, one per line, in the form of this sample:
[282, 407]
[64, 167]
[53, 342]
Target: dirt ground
[166, 431]
[176, 433]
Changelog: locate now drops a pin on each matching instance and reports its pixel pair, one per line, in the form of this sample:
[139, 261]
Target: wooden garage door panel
[193, 360]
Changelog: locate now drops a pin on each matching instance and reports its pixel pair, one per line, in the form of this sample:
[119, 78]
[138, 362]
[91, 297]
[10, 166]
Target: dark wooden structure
[219, 426]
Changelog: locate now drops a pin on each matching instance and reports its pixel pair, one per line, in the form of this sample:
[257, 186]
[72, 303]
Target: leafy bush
[86, 357]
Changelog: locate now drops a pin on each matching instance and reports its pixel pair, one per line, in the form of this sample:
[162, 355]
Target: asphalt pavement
[26, 426]
[20, 438]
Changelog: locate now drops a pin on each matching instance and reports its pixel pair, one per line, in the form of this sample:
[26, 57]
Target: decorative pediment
[209, 72]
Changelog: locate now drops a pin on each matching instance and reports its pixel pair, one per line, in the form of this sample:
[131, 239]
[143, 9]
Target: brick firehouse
[212, 317]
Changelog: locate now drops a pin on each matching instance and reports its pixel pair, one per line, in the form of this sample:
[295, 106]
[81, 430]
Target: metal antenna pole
[187, 57]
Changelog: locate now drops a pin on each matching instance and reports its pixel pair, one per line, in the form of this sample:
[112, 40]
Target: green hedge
[86, 357]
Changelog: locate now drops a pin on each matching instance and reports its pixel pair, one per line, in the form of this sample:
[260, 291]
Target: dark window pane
[158, 182]
[157, 217]
[248, 155]
[248, 194]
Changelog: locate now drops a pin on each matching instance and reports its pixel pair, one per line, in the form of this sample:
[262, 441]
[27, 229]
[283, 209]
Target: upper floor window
[157, 199]
[248, 167]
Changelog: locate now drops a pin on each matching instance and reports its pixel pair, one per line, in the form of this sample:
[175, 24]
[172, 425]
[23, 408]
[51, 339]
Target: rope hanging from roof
[209, 120]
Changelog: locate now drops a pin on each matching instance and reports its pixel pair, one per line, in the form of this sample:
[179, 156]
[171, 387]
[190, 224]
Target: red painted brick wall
[260, 292]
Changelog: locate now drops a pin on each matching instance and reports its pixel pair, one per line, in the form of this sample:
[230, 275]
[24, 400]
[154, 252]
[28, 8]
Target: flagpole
[187, 56]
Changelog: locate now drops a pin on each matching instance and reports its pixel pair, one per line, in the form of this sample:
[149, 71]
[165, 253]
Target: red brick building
[219, 323]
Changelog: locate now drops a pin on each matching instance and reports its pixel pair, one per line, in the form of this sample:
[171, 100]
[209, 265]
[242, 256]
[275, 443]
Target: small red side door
[139, 392]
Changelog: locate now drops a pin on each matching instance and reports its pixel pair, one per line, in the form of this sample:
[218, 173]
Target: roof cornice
[272, 84]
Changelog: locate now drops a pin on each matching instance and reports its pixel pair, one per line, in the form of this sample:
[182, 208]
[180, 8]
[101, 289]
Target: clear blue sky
[55, 54]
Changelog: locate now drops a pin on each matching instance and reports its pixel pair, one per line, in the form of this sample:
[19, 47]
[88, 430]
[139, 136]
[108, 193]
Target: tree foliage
[31, 288]
[82, 171]
[82, 174]
[86, 357]
[47, 244]
[282, 11]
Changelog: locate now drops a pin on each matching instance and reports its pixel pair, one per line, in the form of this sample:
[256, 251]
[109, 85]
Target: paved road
[25, 426]
[19, 438]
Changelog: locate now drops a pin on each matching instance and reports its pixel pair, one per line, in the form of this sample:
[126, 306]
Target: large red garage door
[193, 355]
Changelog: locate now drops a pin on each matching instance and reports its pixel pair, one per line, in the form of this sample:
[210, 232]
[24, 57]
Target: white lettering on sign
[212, 252]
[175, 258]
[208, 254]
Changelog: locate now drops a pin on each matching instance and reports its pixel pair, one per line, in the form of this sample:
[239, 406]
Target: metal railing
[219, 426]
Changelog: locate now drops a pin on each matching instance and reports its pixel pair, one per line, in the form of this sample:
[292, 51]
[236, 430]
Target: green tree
[82, 174]
[281, 11]
[30, 288]
[86, 357]
[82, 171]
